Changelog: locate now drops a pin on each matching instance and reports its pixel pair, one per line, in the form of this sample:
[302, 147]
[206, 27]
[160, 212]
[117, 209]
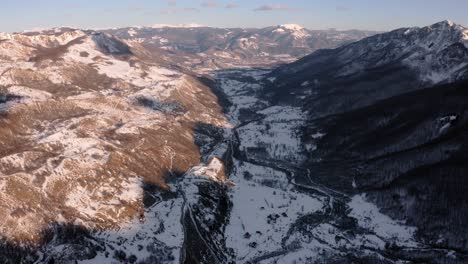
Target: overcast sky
[19, 15]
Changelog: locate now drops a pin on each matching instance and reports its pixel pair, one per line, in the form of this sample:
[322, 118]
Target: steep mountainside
[90, 130]
[337, 80]
[408, 153]
[387, 117]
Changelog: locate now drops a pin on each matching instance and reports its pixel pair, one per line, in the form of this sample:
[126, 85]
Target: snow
[444, 127]
[294, 27]
[369, 217]
[74, 146]
[410, 30]
[433, 68]
[78, 159]
[212, 170]
[446, 122]
[280, 139]
[132, 32]
[265, 204]
[317, 135]
[258, 210]
[11, 50]
[279, 30]
[465, 37]
[29, 93]
[248, 43]
[224, 54]
[448, 118]
[423, 50]
[122, 70]
[236, 90]
[106, 41]
[88, 46]
[321, 240]
[439, 76]
[139, 239]
[452, 254]
[50, 40]
[296, 31]
[6, 79]
[16, 160]
[87, 205]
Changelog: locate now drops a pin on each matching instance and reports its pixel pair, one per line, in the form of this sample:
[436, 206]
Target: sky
[20, 15]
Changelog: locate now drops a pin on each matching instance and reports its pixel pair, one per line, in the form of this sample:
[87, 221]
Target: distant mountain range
[225, 47]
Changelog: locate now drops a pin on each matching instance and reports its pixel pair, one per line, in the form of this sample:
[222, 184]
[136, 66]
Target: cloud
[231, 6]
[135, 8]
[209, 4]
[172, 2]
[343, 8]
[190, 9]
[179, 10]
[272, 8]
[108, 10]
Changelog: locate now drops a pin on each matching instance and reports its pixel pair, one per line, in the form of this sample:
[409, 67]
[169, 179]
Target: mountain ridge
[401, 60]
[377, 125]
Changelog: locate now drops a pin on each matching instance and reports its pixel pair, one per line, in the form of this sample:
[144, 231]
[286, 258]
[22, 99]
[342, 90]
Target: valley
[279, 214]
[133, 150]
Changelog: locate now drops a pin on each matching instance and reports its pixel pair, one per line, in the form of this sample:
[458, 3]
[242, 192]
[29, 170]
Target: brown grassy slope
[36, 190]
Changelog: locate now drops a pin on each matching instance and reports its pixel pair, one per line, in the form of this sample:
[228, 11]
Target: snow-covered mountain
[88, 123]
[165, 145]
[386, 116]
[399, 61]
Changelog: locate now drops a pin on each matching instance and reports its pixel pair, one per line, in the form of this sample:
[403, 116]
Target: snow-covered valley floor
[256, 213]
[274, 220]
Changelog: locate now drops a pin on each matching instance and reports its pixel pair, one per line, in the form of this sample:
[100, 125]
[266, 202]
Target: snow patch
[213, 170]
[369, 217]
[132, 32]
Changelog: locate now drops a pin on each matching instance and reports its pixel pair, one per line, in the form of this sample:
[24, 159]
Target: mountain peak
[455, 30]
[445, 23]
[295, 30]
[292, 27]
